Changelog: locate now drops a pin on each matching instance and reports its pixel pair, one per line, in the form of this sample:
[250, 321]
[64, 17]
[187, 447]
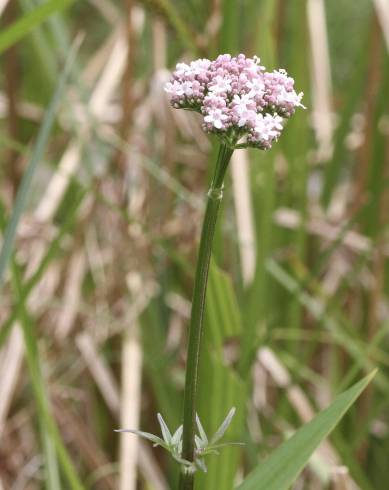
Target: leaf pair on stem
[173, 442]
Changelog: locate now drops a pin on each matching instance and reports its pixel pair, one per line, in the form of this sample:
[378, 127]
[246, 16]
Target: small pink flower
[244, 101]
[244, 110]
[256, 87]
[267, 128]
[213, 100]
[182, 70]
[200, 67]
[245, 117]
[216, 118]
[220, 85]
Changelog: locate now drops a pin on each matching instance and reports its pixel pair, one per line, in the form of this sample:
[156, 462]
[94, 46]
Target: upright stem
[215, 195]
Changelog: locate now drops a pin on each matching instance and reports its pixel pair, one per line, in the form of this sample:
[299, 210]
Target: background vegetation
[101, 200]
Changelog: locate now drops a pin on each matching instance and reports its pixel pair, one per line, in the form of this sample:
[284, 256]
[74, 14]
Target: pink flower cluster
[237, 97]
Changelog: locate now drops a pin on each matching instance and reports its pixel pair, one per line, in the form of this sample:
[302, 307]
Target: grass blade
[52, 438]
[27, 23]
[281, 469]
[36, 157]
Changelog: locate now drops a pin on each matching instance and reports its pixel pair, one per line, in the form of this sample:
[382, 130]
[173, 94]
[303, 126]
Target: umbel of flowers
[242, 103]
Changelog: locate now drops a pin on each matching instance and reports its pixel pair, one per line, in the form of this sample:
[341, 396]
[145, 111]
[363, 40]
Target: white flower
[179, 89]
[187, 88]
[182, 69]
[244, 109]
[220, 85]
[216, 117]
[174, 89]
[246, 117]
[244, 101]
[200, 66]
[268, 127]
[254, 68]
[257, 61]
[292, 98]
[256, 87]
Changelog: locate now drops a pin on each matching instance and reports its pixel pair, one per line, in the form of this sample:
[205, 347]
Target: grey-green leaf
[224, 426]
[202, 433]
[199, 442]
[201, 464]
[177, 436]
[146, 435]
[165, 430]
[281, 469]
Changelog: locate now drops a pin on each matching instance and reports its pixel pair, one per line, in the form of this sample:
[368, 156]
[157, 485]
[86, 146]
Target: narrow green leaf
[52, 470]
[36, 157]
[173, 17]
[27, 23]
[50, 254]
[315, 308]
[46, 420]
[282, 467]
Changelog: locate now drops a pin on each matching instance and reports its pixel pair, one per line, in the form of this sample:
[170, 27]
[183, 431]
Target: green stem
[215, 195]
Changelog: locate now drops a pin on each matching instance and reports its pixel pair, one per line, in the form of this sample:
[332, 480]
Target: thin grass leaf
[40, 49]
[51, 461]
[51, 253]
[36, 157]
[27, 23]
[334, 166]
[41, 398]
[173, 17]
[315, 307]
[281, 469]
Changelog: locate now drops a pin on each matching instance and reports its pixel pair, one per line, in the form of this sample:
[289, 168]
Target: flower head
[238, 99]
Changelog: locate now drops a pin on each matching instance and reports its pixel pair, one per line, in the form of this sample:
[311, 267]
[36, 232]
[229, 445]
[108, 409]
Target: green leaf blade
[282, 467]
[28, 22]
[36, 158]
